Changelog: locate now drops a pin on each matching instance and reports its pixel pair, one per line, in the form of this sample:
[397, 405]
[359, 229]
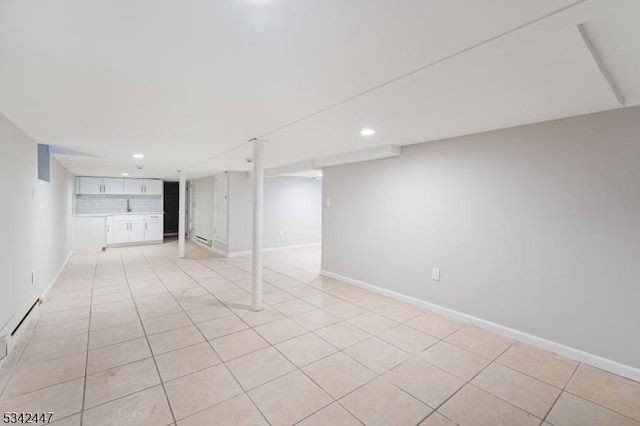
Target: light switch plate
[435, 274]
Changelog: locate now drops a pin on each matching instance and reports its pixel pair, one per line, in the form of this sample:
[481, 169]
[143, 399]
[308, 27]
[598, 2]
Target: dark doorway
[171, 207]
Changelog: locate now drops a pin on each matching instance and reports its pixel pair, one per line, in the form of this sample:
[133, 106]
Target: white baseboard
[539, 342]
[53, 280]
[248, 252]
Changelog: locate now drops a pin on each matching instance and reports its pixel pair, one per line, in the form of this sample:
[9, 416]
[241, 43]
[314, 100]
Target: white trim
[548, 345]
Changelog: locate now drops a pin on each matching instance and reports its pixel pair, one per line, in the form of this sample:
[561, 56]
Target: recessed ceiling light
[125, 174]
[138, 155]
[367, 132]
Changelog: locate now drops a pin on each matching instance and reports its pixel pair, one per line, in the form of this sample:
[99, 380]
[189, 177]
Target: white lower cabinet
[108, 230]
[153, 227]
[137, 228]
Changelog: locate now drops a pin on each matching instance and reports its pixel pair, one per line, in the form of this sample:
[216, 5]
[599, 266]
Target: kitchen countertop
[112, 214]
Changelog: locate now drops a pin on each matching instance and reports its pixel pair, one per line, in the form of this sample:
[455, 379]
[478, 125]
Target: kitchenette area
[114, 212]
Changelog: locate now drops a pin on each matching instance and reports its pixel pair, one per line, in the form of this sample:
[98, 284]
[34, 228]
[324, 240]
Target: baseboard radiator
[204, 240]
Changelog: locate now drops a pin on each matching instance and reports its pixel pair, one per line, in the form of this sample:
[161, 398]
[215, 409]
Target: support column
[182, 212]
[258, 223]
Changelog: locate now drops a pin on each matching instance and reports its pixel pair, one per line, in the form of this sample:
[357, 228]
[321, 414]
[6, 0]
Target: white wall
[536, 228]
[36, 220]
[202, 206]
[292, 205]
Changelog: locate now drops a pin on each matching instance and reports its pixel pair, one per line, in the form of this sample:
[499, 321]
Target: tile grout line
[222, 362]
[86, 361]
[147, 339]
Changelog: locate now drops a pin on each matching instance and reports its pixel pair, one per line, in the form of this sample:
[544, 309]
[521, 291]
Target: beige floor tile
[473, 406]
[238, 344]
[321, 300]
[113, 335]
[571, 410]
[607, 389]
[434, 324]
[64, 316]
[372, 301]
[155, 299]
[222, 326]
[550, 368]
[342, 335]
[237, 411]
[59, 331]
[305, 349]
[400, 312]
[188, 292]
[197, 391]
[437, 419]
[278, 331]
[338, 374]
[175, 339]
[259, 367]
[293, 307]
[147, 312]
[36, 353]
[63, 399]
[408, 339]
[376, 354]
[165, 323]
[349, 292]
[278, 296]
[37, 376]
[98, 322]
[381, 403]
[253, 318]
[334, 415]
[186, 361]
[112, 307]
[519, 389]
[120, 381]
[455, 360]
[315, 319]
[208, 313]
[344, 310]
[119, 354]
[429, 384]
[373, 323]
[289, 399]
[232, 294]
[199, 302]
[148, 407]
[49, 307]
[482, 342]
[108, 298]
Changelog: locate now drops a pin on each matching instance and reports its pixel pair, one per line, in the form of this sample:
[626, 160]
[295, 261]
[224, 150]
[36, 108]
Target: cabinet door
[112, 186]
[120, 232]
[136, 231]
[108, 234]
[89, 185]
[153, 230]
[133, 186]
[153, 186]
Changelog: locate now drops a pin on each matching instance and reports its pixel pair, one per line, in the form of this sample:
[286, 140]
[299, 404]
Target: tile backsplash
[96, 204]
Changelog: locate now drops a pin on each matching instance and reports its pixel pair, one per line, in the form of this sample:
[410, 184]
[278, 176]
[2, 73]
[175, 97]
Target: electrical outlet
[328, 201]
[33, 276]
[281, 233]
[435, 274]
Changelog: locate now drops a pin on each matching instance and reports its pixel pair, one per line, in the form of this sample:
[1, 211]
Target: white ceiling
[184, 82]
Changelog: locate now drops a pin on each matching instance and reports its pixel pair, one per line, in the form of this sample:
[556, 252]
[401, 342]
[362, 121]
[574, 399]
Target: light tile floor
[137, 336]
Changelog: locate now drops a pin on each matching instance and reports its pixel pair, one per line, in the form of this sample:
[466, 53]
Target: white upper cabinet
[118, 186]
[113, 186]
[143, 186]
[153, 186]
[134, 186]
[89, 185]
